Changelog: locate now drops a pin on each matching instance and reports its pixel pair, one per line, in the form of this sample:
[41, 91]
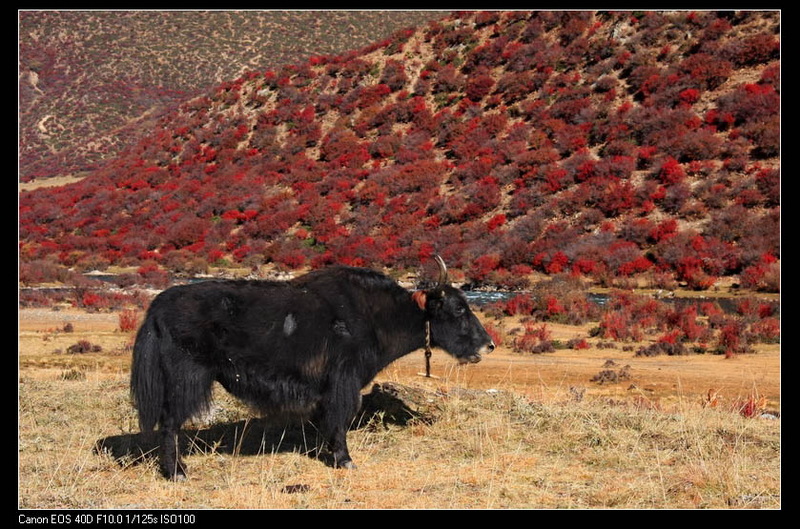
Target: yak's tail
[147, 374]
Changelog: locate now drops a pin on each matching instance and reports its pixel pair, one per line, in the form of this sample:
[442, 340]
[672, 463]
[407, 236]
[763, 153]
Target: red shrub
[711, 310]
[618, 196]
[748, 307]
[689, 96]
[496, 222]
[708, 71]
[731, 339]
[373, 94]
[671, 337]
[394, 75]
[215, 256]
[684, 320]
[486, 194]
[750, 102]
[636, 266]
[128, 320]
[754, 50]
[664, 230]
[516, 86]
[186, 231]
[521, 304]
[768, 182]
[293, 259]
[534, 340]
[91, 300]
[448, 80]
[767, 330]
[584, 266]
[617, 325]
[479, 87]
[558, 263]
[483, 266]
[671, 172]
[580, 344]
[554, 308]
[487, 55]
[762, 276]
[241, 252]
[690, 270]
[750, 407]
[486, 18]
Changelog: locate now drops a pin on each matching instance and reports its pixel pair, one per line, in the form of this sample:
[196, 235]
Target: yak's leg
[170, 461]
[187, 395]
[333, 418]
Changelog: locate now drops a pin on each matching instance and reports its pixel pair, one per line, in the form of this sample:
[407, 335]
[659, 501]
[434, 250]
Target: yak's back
[358, 288]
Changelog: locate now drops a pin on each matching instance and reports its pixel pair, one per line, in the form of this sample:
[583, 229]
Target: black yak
[303, 347]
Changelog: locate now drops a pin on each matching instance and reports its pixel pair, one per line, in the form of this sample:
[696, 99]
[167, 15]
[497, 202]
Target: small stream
[475, 297]
[479, 298]
[727, 304]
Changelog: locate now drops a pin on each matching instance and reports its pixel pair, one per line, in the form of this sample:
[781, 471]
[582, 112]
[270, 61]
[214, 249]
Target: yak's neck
[403, 332]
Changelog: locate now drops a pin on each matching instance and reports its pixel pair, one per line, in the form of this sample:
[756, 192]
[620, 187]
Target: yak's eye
[459, 311]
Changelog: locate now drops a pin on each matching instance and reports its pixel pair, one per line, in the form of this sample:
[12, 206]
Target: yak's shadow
[259, 436]
[246, 437]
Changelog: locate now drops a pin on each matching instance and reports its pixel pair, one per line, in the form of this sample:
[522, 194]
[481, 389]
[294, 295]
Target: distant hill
[91, 81]
[621, 147]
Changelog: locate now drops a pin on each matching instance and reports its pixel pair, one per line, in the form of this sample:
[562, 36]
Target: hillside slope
[90, 81]
[616, 146]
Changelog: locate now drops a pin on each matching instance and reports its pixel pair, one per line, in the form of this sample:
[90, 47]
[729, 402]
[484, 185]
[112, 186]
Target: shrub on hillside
[764, 276]
[479, 86]
[394, 75]
[756, 49]
[750, 103]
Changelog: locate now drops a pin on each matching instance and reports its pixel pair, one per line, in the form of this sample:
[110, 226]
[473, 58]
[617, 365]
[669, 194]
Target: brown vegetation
[515, 431]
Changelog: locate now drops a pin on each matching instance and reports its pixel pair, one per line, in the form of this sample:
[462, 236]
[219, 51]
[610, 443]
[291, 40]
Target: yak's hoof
[177, 476]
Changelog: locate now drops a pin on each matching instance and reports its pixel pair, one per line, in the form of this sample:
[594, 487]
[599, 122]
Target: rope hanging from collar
[428, 349]
[419, 297]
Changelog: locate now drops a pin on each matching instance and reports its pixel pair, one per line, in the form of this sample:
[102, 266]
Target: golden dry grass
[512, 432]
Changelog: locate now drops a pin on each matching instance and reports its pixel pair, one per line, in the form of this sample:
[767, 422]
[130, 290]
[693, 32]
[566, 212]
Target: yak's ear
[421, 298]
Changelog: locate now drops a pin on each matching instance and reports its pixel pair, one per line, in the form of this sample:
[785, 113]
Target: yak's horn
[442, 272]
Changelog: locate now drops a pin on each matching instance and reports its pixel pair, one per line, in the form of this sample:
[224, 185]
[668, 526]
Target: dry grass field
[513, 432]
